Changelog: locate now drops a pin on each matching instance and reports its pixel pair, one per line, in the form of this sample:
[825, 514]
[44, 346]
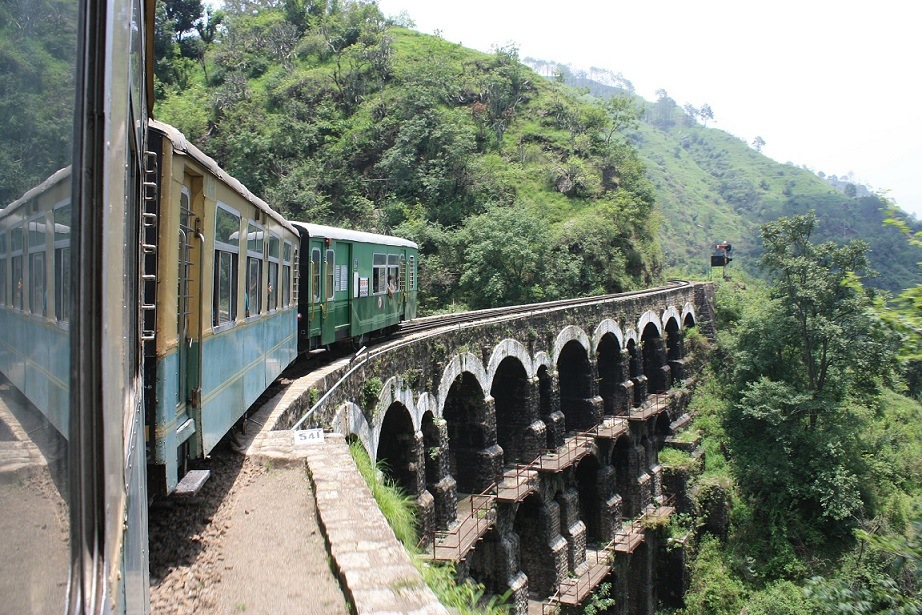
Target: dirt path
[248, 543]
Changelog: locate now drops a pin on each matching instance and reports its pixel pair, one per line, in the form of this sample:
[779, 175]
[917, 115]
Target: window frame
[61, 265]
[329, 264]
[16, 257]
[3, 263]
[34, 251]
[287, 252]
[316, 274]
[272, 270]
[254, 256]
[232, 251]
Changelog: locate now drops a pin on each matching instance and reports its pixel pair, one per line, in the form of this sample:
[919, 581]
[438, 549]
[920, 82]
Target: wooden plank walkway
[476, 515]
[573, 449]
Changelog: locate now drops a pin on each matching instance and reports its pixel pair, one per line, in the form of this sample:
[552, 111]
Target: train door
[328, 326]
[188, 314]
[342, 294]
[315, 299]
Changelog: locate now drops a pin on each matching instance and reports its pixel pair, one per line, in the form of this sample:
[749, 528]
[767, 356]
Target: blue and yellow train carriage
[226, 320]
[353, 284]
[34, 296]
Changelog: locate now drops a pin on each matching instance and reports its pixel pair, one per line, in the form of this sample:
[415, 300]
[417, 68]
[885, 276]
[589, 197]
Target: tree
[758, 143]
[706, 113]
[803, 361]
[504, 258]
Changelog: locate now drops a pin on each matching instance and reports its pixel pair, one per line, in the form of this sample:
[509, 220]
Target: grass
[673, 457]
[399, 510]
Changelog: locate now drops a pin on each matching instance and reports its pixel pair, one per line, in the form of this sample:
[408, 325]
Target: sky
[835, 86]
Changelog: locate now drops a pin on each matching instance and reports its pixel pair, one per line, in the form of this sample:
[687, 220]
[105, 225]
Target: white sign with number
[308, 436]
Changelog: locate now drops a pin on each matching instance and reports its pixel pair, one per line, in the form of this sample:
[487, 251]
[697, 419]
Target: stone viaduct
[552, 420]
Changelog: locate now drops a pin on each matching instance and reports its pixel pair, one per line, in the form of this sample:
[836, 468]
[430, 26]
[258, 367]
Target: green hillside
[711, 186]
[515, 187]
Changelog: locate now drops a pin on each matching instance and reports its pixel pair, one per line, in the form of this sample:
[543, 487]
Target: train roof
[320, 230]
[180, 144]
[55, 178]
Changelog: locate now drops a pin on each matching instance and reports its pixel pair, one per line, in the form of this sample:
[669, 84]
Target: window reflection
[37, 76]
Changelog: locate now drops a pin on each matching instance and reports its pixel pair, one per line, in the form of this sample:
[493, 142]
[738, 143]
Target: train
[236, 302]
[147, 299]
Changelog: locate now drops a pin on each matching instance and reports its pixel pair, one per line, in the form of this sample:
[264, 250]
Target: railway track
[435, 322]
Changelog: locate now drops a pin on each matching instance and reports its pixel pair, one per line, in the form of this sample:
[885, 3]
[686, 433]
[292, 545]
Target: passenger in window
[391, 287]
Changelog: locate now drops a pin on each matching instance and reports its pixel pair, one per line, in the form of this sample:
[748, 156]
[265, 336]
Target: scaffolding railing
[573, 590]
[454, 544]
[652, 405]
[517, 482]
[571, 451]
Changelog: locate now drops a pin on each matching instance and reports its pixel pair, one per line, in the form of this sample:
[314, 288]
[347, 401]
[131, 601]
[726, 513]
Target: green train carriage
[353, 285]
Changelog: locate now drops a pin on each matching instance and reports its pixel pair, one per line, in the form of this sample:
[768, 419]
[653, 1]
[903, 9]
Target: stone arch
[605, 328]
[571, 333]
[474, 458]
[689, 317]
[519, 432]
[654, 357]
[590, 504]
[400, 448]
[459, 364]
[610, 368]
[671, 312]
[577, 395]
[505, 349]
[349, 420]
[395, 390]
[647, 318]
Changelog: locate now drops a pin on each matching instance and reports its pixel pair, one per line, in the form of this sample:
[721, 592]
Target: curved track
[434, 322]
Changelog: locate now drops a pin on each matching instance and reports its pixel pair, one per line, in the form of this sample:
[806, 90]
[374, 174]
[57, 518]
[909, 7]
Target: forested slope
[711, 186]
[516, 189]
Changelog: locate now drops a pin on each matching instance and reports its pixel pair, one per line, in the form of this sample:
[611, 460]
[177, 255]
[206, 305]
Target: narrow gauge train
[146, 299]
[230, 297]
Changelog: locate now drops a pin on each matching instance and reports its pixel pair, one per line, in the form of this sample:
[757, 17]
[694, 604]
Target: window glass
[62, 284]
[227, 228]
[16, 281]
[379, 274]
[316, 266]
[254, 239]
[2, 268]
[39, 76]
[272, 290]
[286, 285]
[330, 267]
[227, 248]
[254, 275]
[273, 247]
[393, 272]
[225, 293]
[37, 298]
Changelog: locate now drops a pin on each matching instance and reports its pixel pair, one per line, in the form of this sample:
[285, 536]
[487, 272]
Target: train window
[331, 273]
[62, 281]
[227, 250]
[393, 272]
[2, 268]
[379, 274]
[37, 296]
[254, 271]
[272, 295]
[286, 275]
[315, 274]
[16, 268]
